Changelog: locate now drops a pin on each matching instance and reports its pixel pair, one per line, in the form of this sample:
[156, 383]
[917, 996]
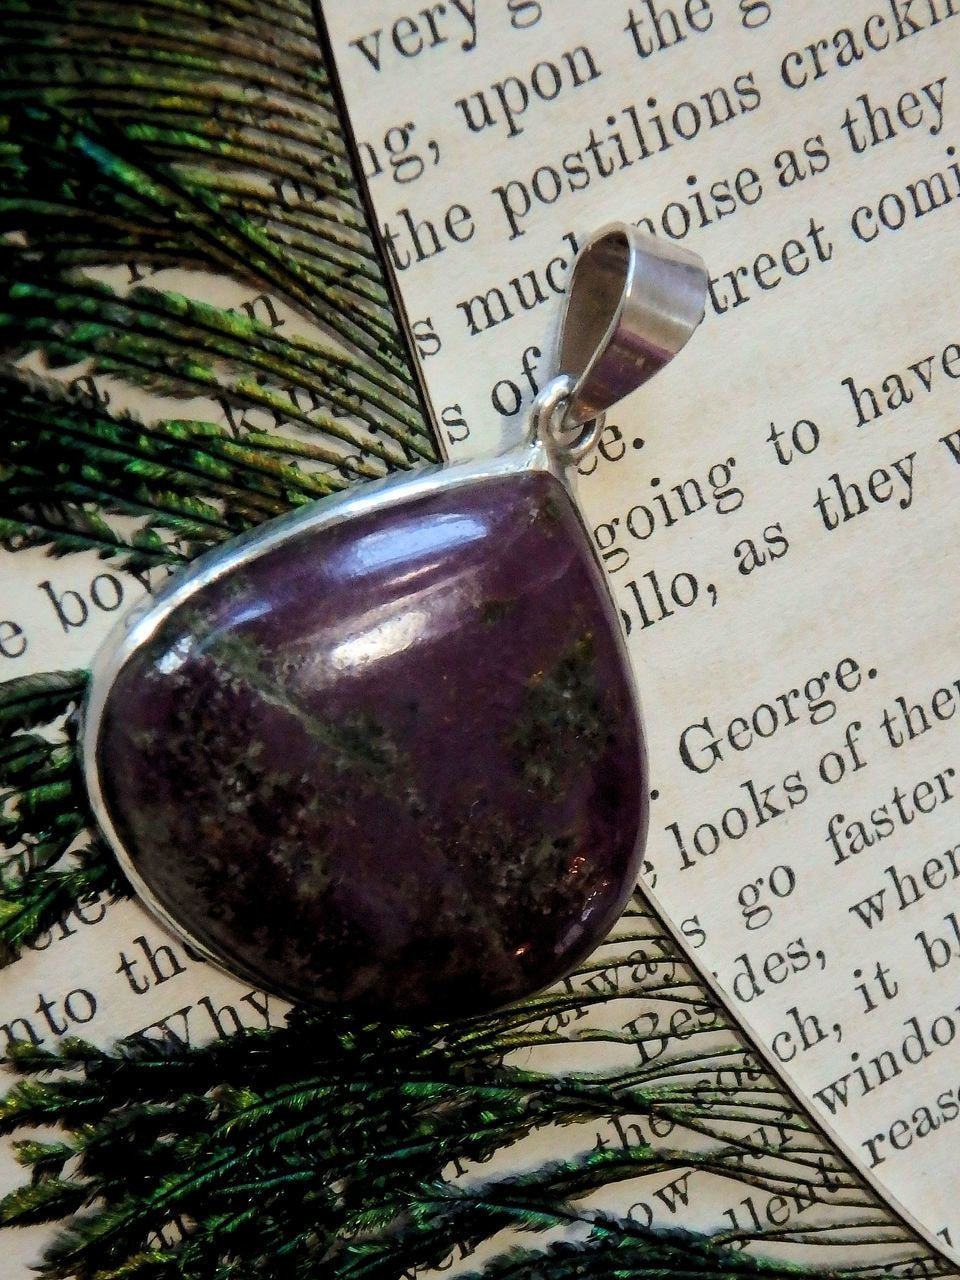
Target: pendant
[385, 752]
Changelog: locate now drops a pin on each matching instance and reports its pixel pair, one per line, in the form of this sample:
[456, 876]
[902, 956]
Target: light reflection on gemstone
[381, 639]
[174, 657]
[383, 550]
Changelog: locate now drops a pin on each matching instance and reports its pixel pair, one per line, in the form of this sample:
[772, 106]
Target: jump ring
[547, 419]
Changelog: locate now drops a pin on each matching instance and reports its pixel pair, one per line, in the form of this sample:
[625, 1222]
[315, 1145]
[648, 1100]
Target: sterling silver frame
[139, 626]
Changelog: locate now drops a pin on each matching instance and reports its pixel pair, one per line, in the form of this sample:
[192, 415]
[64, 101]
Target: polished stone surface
[394, 762]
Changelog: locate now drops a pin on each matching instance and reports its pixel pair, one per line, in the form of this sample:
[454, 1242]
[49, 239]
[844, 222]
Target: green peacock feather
[198, 336]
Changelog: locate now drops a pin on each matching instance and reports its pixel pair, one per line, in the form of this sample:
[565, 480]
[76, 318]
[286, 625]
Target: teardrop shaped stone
[394, 762]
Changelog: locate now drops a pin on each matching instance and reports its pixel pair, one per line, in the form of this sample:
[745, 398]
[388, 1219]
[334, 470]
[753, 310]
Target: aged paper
[777, 513]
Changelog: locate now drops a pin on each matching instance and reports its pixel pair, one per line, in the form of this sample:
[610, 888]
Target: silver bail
[632, 304]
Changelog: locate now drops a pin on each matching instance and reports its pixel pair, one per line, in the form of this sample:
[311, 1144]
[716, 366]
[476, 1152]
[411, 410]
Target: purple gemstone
[394, 762]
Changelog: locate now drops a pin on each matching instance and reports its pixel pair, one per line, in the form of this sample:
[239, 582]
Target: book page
[777, 512]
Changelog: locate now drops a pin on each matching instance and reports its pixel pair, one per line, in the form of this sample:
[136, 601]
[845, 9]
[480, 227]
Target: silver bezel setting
[139, 626]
